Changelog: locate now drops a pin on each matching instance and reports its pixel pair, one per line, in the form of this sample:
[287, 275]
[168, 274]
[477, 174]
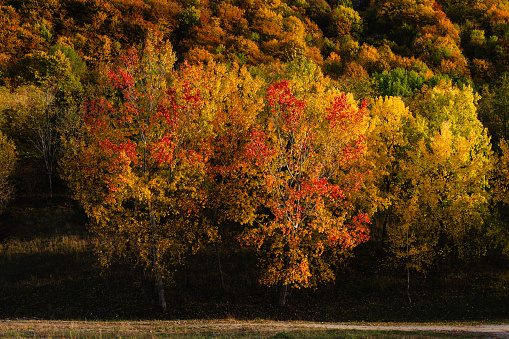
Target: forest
[213, 154]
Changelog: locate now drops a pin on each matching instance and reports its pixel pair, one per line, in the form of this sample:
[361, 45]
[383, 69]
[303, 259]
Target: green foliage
[37, 122]
[345, 3]
[446, 102]
[39, 68]
[189, 18]
[400, 82]
[255, 36]
[53, 70]
[45, 32]
[77, 64]
[495, 111]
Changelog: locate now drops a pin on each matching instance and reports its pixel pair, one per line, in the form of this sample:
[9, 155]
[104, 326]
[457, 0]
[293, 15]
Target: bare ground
[44, 328]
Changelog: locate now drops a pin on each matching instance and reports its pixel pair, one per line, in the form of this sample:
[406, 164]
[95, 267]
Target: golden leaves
[433, 178]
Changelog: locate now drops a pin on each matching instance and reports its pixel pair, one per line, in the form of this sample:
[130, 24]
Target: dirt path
[490, 331]
[42, 328]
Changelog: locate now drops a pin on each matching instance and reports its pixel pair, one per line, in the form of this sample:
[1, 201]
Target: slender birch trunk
[157, 266]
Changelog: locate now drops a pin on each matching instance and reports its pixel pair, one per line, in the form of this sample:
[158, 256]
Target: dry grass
[197, 329]
[17, 257]
[64, 244]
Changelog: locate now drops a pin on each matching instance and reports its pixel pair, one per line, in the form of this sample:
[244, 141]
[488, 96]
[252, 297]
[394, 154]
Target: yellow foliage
[7, 161]
[297, 29]
[198, 55]
[441, 191]
[268, 23]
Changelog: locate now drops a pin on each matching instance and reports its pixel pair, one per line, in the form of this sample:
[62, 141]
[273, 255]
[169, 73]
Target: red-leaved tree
[308, 151]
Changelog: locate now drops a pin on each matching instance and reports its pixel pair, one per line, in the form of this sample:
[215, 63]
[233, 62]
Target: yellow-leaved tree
[432, 181]
[232, 197]
[392, 134]
[139, 166]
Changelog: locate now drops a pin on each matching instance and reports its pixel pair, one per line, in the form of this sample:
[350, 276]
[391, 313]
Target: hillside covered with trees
[304, 139]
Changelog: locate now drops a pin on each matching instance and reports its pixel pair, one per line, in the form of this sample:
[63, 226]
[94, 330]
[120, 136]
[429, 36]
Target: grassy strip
[195, 330]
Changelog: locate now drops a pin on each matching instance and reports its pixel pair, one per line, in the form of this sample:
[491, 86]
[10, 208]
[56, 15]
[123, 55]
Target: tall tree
[39, 111]
[307, 149]
[430, 171]
[392, 134]
[34, 121]
[231, 187]
[138, 169]
[440, 210]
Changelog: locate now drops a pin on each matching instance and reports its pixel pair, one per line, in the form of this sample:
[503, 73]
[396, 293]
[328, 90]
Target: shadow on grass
[66, 283]
[59, 278]
[52, 273]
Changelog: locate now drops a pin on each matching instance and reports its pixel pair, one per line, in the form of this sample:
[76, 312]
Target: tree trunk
[50, 186]
[157, 267]
[384, 228]
[186, 257]
[283, 292]
[186, 273]
[160, 292]
[408, 271]
[219, 270]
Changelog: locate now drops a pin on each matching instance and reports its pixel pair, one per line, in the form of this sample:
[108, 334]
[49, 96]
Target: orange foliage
[314, 54]
[232, 18]
[354, 70]
[197, 55]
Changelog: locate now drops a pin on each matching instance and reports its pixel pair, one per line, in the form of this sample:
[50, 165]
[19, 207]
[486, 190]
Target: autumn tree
[392, 134]
[232, 197]
[127, 168]
[443, 212]
[344, 21]
[307, 148]
[7, 162]
[403, 83]
[58, 71]
[154, 155]
[36, 122]
[434, 185]
[494, 112]
[431, 170]
[420, 29]
[40, 109]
